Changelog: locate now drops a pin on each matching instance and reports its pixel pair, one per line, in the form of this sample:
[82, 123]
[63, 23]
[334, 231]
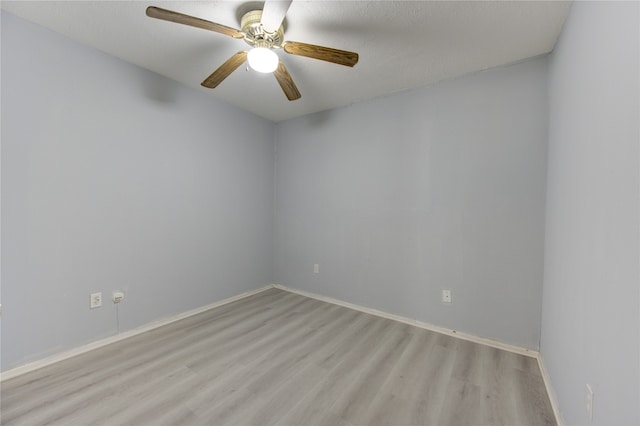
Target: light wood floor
[280, 358]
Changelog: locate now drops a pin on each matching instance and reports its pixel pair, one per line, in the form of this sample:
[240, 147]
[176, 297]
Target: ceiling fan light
[263, 59]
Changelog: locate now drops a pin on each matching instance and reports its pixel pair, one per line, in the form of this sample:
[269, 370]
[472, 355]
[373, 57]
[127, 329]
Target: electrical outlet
[316, 268]
[118, 296]
[446, 296]
[589, 403]
[95, 301]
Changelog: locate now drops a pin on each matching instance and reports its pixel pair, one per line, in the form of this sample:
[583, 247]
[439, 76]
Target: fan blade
[224, 70]
[273, 14]
[168, 15]
[286, 82]
[341, 57]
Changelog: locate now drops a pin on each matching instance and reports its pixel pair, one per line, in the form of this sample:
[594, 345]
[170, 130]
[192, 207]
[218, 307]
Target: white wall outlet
[118, 296]
[589, 399]
[446, 296]
[95, 300]
[316, 268]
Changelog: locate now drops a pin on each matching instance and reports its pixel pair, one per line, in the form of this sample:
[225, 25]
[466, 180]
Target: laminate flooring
[278, 358]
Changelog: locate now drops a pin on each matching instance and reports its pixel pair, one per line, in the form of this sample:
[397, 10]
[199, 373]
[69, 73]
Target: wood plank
[278, 358]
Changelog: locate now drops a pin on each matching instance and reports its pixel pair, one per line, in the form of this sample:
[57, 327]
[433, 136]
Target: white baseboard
[465, 336]
[159, 323]
[17, 371]
[553, 397]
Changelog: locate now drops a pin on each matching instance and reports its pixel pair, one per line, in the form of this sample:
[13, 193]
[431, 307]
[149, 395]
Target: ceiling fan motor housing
[254, 33]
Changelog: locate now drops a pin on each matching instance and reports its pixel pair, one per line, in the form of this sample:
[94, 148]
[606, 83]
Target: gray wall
[400, 197]
[117, 178]
[590, 321]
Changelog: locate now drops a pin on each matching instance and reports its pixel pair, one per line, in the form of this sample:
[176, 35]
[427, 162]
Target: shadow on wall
[157, 88]
[320, 118]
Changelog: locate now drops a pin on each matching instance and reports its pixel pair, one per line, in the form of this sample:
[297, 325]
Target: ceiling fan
[263, 31]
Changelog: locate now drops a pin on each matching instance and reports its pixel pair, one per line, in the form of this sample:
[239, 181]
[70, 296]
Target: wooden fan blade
[341, 57]
[273, 14]
[224, 70]
[168, 15]
[286, 82]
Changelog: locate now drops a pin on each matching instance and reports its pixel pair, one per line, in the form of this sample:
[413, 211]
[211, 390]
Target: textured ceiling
[402, 44]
